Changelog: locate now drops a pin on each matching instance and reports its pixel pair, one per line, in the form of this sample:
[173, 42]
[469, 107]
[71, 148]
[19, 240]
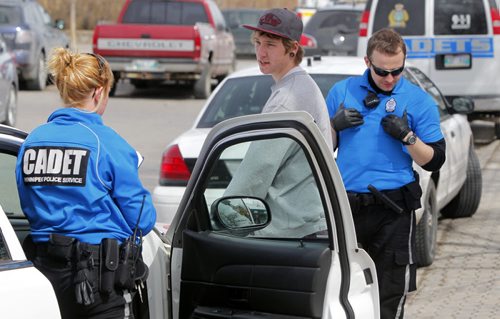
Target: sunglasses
[100, 64]
[383, 73]
[100, 61]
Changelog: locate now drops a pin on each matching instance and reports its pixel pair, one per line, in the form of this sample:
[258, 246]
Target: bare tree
[72, 24]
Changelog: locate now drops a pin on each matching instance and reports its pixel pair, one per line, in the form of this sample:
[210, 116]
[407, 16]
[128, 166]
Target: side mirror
[59, 24]
[462, 105]
[241, 213]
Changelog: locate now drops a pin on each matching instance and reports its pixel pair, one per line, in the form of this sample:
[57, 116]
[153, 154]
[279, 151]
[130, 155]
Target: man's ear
[367, 62]
[295, 47]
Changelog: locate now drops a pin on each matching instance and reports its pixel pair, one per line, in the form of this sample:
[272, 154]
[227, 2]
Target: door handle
[368, 276]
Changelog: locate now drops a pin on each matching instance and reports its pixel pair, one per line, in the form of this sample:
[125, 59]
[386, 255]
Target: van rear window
[406, 17]
[165, 12]
[459, 17]
[10, 15]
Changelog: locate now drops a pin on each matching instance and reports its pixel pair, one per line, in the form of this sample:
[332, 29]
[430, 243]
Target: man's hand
[345, 118]
[395, 126]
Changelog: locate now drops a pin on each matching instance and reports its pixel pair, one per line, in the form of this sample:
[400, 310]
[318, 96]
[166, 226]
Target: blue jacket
[366, 153]
[78, 177]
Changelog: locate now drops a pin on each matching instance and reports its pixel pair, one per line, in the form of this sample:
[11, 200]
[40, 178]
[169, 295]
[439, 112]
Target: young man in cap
[276, 169]
[276, 39]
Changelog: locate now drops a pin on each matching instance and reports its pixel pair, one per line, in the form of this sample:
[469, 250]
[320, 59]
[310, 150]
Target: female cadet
[80, 190]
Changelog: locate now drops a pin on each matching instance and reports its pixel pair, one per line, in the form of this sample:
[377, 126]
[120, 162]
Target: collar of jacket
[72, 114]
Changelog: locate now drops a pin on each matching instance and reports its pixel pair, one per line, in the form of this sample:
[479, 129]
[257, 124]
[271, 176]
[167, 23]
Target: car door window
[220, 22]
[433, 91]
[277, 171]
[459, 17]
[9, 198]
[33, 15]
[43, 15]
[4, 250]
[406, 17]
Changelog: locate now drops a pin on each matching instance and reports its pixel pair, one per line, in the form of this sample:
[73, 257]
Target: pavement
[464, 280]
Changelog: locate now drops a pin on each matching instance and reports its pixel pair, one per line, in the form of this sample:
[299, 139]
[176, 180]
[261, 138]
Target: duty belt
[367, 199]
[42, 250]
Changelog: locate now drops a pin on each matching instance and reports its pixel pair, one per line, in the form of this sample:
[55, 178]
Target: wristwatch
[411, 140]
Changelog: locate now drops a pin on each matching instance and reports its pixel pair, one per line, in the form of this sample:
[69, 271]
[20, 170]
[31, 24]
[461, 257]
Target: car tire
[39, 83]
[140, 84]
[497, 128]
[426, 233]
[467, 200]
[11, 110]
[203, 86]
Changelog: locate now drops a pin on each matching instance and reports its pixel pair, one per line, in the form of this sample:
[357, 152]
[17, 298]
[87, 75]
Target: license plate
[457, 61]
[144, 65]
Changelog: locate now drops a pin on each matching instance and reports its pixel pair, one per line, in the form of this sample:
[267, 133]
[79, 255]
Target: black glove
[345, 118]
[395, 126]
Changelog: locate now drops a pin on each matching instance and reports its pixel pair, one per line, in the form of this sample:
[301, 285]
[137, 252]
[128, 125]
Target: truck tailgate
[138, 40]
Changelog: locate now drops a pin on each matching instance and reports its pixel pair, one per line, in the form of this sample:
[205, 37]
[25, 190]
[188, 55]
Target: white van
[455, 42]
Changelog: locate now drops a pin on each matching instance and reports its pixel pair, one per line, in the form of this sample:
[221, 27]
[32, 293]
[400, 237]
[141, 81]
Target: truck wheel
[112, 90]
[497, 128]
[140, 84]
[426, 232]
[467, 200]
[203, 86]
[39, 83]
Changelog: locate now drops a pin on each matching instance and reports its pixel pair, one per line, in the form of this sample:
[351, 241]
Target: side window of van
[406, 17]
[459, 17]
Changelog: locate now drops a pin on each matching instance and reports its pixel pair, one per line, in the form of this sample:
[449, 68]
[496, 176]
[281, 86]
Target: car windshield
[236, 18]
[247, 95]
[348, 21]
[10, 15]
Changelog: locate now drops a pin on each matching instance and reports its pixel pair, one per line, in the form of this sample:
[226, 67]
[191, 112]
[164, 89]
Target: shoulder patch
[52, 165]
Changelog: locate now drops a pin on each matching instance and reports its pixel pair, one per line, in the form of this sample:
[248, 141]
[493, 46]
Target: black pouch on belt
[60, 247]
[108, 265]
[412, 194]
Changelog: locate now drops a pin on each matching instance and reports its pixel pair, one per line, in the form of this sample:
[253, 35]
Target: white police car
[455, 190]
[206, 267]
[24, 291]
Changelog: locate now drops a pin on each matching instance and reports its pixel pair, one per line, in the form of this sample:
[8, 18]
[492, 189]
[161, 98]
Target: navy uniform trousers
[389, 239]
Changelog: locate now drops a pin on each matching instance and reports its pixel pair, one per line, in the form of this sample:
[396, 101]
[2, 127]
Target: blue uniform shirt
[366, 153]
[79, 178]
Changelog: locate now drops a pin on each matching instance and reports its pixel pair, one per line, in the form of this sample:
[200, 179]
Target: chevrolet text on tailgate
[184, 41]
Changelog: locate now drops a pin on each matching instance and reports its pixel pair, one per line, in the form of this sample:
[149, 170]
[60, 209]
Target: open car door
[265, 229]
